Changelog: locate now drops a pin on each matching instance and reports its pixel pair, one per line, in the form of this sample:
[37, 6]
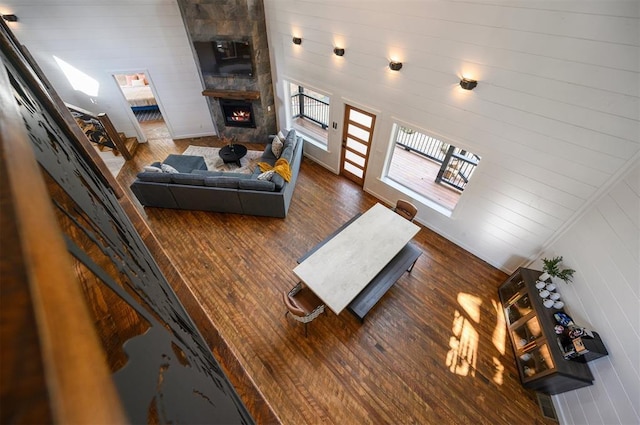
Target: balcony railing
[311, 108]
[456, 165]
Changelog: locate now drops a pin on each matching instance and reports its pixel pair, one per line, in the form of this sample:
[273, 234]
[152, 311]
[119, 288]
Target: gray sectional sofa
[196, 188]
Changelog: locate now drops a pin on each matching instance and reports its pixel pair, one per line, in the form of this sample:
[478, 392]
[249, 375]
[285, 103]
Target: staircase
[100, 131]
[130, 143]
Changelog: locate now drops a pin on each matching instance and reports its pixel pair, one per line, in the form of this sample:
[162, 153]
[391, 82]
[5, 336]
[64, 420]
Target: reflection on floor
[155, 129]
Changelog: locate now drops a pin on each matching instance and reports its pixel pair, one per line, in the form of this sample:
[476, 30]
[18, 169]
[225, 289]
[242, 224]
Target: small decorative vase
[549, 303]
[551, 287]
[544, 293]
[554, 296]
[558, 304]
[544, 276]
[540, 284]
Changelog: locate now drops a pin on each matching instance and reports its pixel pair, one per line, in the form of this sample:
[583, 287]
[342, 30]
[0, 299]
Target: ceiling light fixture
[395, 66]
[338, 51]
[468, 84]
[297, 40]
[10, 18]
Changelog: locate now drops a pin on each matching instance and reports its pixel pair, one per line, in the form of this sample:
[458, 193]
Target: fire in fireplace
[237, 113]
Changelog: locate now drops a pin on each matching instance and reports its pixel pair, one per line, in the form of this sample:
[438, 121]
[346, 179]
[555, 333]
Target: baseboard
[193, 135]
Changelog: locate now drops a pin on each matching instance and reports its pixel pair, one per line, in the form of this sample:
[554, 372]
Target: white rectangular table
[339, 270]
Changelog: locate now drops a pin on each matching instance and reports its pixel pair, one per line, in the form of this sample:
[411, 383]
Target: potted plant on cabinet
[552, 268]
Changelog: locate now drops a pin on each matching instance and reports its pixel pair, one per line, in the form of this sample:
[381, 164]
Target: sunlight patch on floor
[499, 339]
[463, 344]
[462, 356]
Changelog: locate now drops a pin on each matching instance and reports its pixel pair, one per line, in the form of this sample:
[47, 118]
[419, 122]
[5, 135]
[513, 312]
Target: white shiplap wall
[103, 37]
[604, 247]
[555, 118]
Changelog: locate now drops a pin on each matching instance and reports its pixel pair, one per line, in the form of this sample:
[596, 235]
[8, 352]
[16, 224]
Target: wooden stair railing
[115, 136]
[112, 136]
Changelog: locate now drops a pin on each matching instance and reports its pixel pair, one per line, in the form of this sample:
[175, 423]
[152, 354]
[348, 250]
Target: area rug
[215, 163]
[148, 115]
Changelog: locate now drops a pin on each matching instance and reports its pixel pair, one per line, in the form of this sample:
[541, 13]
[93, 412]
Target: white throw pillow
[152, 169]
[281, 135]
[266, 175]
[276, 146]
[166, 168]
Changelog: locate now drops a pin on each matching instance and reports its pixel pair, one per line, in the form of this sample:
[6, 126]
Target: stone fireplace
[207, 20]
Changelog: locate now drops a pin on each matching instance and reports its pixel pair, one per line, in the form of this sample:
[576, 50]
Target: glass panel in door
[356, 139]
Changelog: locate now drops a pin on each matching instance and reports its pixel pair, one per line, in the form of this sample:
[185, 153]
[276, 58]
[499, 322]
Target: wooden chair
[406, 209]
[303, 304]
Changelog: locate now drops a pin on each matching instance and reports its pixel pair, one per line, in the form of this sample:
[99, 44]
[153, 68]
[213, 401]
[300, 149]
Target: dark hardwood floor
[434, 350]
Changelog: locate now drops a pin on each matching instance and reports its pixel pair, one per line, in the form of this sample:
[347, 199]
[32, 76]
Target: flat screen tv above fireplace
[225, 58]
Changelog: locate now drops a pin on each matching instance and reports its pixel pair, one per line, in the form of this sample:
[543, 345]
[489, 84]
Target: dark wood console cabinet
[530, 325]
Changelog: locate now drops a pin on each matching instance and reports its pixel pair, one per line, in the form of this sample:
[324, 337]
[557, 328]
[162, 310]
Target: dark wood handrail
[114, 136]
[109, 128]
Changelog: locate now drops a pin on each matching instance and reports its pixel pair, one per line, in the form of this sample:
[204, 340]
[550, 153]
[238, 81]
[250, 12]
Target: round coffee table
[233, 153]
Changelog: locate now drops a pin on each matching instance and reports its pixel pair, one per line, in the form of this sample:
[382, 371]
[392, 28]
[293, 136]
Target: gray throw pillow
[152, 169]
[166, 168]
[155, 177]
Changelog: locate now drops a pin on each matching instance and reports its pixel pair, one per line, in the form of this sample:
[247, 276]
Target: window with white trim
[429, 167]
[309, 113]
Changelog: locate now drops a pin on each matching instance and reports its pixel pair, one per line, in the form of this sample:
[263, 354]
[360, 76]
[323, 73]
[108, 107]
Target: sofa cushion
[207, 173]
[287, 153]
[278, 180]
[185, 163]
[222, 181]
[268, 155]
[291, 139]
[252, 184]
[269, 161]
[154, 177]
[187, 178]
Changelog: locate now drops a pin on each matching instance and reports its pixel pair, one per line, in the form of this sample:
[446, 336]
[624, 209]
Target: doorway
[356, 140]
[139, 94]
